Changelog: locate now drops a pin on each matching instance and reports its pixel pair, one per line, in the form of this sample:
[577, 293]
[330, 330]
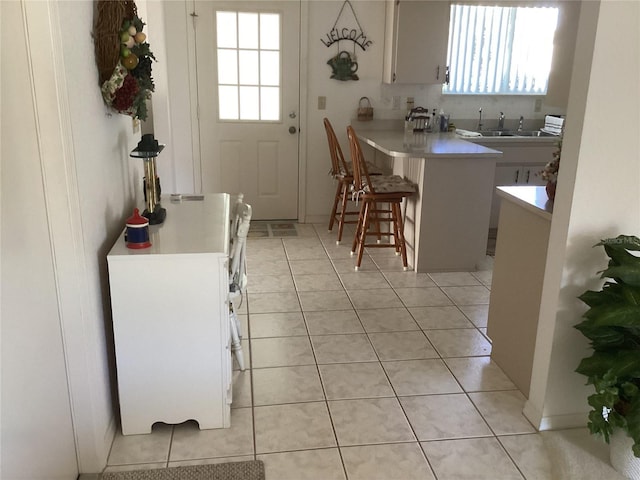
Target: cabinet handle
[438, 73]
[517, 175]
[528, 175]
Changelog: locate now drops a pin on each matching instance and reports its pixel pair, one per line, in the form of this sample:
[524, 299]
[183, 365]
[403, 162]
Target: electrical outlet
[322, 103]
[396, 102]
[538, 106]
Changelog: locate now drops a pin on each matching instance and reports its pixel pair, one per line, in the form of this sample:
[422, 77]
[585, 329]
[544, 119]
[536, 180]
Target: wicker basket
[365, 110]
[109, 15]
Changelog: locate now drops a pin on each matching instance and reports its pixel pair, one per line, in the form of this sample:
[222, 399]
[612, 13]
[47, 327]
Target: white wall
[67, 186]
[36, 428]
[598, 197]
[341, 96]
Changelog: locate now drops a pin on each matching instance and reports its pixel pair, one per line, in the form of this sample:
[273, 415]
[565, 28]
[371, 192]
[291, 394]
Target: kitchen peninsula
[446, 223]
[518, 275]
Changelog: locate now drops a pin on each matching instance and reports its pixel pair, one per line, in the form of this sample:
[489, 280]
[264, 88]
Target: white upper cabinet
[416, 38]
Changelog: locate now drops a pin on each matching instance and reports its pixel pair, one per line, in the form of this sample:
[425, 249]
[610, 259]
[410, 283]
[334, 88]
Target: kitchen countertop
[425, 145]
[532, 198]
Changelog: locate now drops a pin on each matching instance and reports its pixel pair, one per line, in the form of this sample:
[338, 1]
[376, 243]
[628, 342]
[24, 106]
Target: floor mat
[248, 470]
[272, 230]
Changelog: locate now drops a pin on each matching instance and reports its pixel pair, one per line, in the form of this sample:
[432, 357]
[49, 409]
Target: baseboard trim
[553, 422]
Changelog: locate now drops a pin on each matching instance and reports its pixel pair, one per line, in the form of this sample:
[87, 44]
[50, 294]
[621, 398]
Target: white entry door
[247, 57]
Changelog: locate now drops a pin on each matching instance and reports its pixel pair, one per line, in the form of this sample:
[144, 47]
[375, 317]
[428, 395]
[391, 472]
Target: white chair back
[240, 223]
[240, 229]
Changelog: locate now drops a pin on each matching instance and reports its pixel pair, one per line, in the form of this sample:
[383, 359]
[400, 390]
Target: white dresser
[171, 318]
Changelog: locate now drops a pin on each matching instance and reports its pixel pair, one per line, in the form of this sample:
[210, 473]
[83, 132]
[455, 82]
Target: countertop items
[195, 230]
[518, 274]
[446, 224]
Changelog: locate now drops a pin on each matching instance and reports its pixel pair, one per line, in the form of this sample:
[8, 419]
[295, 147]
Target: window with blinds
[500, 50]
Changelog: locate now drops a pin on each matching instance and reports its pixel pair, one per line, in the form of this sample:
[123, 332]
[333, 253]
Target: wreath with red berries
[123, 57]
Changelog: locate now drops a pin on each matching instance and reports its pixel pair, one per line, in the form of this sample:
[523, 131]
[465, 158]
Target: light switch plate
[322, 103]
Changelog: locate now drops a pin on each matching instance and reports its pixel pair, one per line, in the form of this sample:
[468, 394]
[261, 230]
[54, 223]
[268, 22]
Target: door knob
[292, 130]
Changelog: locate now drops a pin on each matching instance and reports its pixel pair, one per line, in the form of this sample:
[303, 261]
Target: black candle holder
[148, 149]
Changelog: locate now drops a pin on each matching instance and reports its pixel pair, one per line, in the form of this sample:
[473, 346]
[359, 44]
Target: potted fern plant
[612, 324]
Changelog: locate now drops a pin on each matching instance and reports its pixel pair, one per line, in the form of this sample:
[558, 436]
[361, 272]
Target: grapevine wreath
[123, 57]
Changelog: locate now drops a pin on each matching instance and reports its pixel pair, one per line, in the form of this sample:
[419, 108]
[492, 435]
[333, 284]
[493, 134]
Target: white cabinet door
[530, 174]
[507, 175]
[417, 35]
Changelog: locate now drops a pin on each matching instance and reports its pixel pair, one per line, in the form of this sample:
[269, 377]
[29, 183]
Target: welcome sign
[355, 35]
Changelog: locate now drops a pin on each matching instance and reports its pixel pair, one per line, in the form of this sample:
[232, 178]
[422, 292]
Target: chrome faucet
[480, 119]
[501, 121]
[521, 123]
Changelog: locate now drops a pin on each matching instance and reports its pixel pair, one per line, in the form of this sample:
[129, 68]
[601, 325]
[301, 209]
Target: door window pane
[249, 65]
[270, 31]
[227, 67]
[248, 30]
[270, 68]
[270, 103]
[226, 27]
[249, 103]
[228, 101]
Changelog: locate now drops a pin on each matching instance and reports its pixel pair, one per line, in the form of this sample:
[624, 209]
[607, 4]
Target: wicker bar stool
[374, 192]
[342, 171]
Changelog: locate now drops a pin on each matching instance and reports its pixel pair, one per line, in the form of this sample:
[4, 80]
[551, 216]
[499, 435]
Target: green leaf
[621, 363]
[627, 242]
[611, 292]
[628, 273]
[138, 23]
[602, 337]
[142, 50]
[630, 390]
[614, 315]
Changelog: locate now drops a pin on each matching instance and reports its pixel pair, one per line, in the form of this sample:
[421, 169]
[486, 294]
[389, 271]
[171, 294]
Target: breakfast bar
[446, 223]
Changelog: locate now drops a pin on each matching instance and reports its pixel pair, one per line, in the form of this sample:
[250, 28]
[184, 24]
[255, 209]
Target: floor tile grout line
[504, 449]
[441, 358]
[379, 361]
[173, 429]
[324, 392]
[387, 377]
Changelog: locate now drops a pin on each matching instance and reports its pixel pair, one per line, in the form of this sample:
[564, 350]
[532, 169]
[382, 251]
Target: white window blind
[500, 50]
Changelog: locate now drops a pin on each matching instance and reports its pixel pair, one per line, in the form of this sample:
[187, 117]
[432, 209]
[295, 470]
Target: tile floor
[376, 374]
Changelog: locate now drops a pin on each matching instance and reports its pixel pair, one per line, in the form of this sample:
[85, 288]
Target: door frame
[302, 104]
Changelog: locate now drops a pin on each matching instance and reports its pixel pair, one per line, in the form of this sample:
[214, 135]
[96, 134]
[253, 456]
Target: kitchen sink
[532, 133]
[497, 133]
[514, 133]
